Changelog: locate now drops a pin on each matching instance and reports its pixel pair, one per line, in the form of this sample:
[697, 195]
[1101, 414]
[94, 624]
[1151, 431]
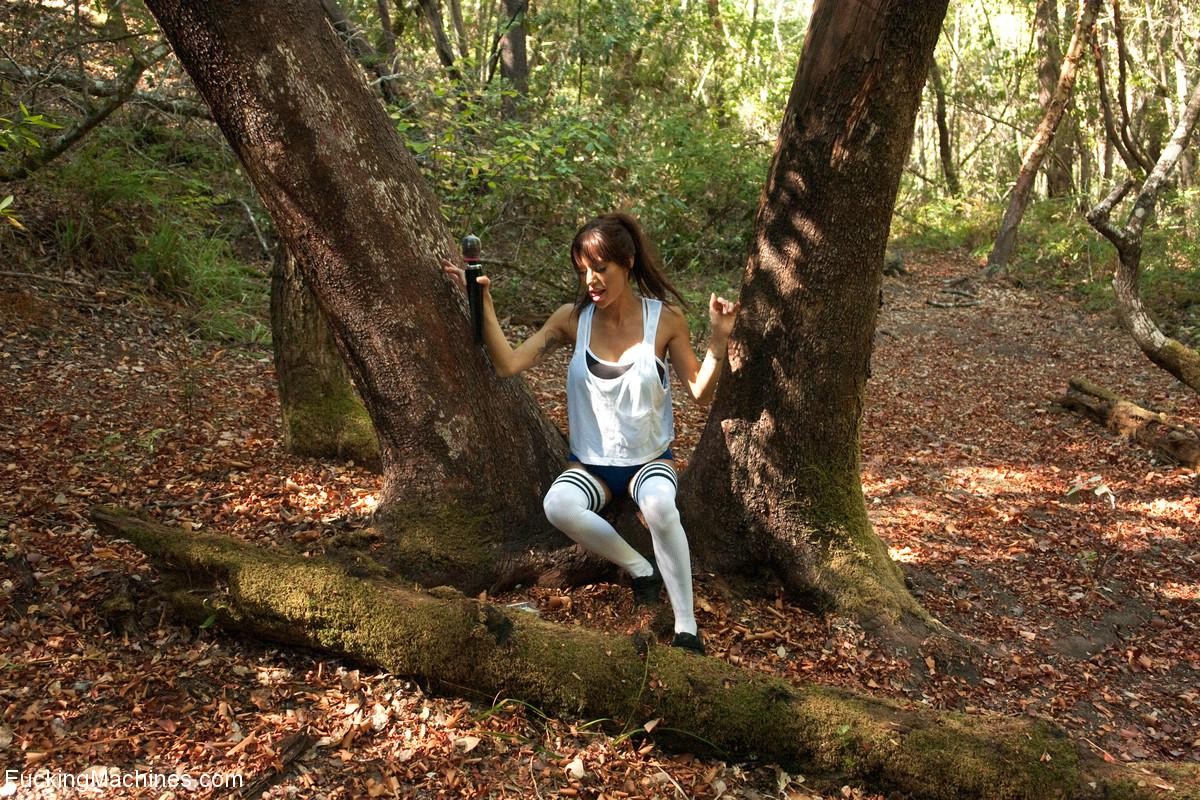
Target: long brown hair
[618, 239]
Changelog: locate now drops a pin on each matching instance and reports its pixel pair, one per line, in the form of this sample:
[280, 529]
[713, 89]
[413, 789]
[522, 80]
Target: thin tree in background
[432, 11]
[1046, 33]
[1173, 356]
[362, 51]
[509, 53]
[945, 148]
[1006, 239]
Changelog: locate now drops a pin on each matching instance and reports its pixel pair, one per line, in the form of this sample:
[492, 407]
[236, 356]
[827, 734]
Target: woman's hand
[459, 275]
[721, 314]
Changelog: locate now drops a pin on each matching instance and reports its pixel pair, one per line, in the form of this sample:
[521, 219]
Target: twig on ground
[290, 749]
[195, 501]
[963, 304]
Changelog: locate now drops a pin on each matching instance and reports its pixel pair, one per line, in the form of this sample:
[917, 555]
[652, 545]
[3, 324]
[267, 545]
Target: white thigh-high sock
[571, 506]
[654, 492]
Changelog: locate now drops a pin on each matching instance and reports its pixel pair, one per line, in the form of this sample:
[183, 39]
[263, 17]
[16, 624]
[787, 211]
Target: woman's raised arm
[506, 359]
[701, 378]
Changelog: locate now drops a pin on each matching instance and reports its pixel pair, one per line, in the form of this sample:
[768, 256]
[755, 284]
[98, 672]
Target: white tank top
[623, 421]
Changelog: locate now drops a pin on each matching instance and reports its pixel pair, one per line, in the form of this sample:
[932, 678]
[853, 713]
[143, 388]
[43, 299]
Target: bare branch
[125, 86]
[1100, 217]
[266, 248]
[1131, 143]
[1110, 127]
[1166, 163]
[180, 106]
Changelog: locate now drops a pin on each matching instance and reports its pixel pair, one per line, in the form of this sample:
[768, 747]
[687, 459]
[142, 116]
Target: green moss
[331, 422]
[1185, 362]
[831, 735]
[443, 544]
[856, 574]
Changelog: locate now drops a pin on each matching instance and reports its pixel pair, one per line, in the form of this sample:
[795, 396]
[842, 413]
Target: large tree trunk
[774, 485]
[1173, 356]
[464, 454]
[461, 645]
[323, 416]
[1046, 31]
[1006, 239]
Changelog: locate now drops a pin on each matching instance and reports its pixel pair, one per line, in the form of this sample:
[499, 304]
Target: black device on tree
[470, 254]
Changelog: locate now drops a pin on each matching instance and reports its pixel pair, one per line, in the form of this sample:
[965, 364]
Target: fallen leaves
[966, 472]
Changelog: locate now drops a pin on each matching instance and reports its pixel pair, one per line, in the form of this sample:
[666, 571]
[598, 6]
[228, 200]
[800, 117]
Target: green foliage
[156, 206]
[18, 131]
[945, 223]
[202, 274]
[7, 213]
[525, 187]
[1057, 249]
[17, 138]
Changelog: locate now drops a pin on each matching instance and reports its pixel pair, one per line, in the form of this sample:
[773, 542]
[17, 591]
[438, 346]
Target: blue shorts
[617, 478]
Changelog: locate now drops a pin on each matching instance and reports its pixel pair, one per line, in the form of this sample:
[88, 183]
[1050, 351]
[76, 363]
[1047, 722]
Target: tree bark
[362, 51]
[774, 485]
[1006, 239]
[323, 416]
[465, 455]
[514, 65]
[1058, 161]
[441, 45]
[1178, 443]
[945, 149]
[462, 645]
[1173, 356]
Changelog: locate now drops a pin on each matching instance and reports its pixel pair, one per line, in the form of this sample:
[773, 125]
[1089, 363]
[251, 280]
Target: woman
[619, 401]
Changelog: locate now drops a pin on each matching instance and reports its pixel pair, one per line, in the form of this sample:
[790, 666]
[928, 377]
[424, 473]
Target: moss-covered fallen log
[463, 645]
[1156, 431]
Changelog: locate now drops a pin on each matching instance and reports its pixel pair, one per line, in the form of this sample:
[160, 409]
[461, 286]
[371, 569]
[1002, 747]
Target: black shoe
[647, 590]
[688, 641]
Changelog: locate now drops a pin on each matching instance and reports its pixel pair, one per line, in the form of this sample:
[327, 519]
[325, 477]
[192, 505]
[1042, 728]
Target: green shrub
[1057, 249]
[525, 187]
[156, 206]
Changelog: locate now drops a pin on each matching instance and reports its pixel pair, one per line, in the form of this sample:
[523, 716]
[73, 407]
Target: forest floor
[1071, 557]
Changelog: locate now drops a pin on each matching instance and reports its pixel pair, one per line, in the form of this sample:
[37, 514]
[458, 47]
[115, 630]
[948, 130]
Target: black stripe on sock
[584, 482]
[578, 482]
[650, 471]
[570, 480]
[595, 492]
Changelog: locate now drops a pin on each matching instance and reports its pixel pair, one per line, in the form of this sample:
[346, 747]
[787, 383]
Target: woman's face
[604, 282]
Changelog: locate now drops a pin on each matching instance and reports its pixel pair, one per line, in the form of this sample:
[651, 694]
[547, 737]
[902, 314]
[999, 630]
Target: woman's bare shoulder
[564, 321]
[674, 317]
